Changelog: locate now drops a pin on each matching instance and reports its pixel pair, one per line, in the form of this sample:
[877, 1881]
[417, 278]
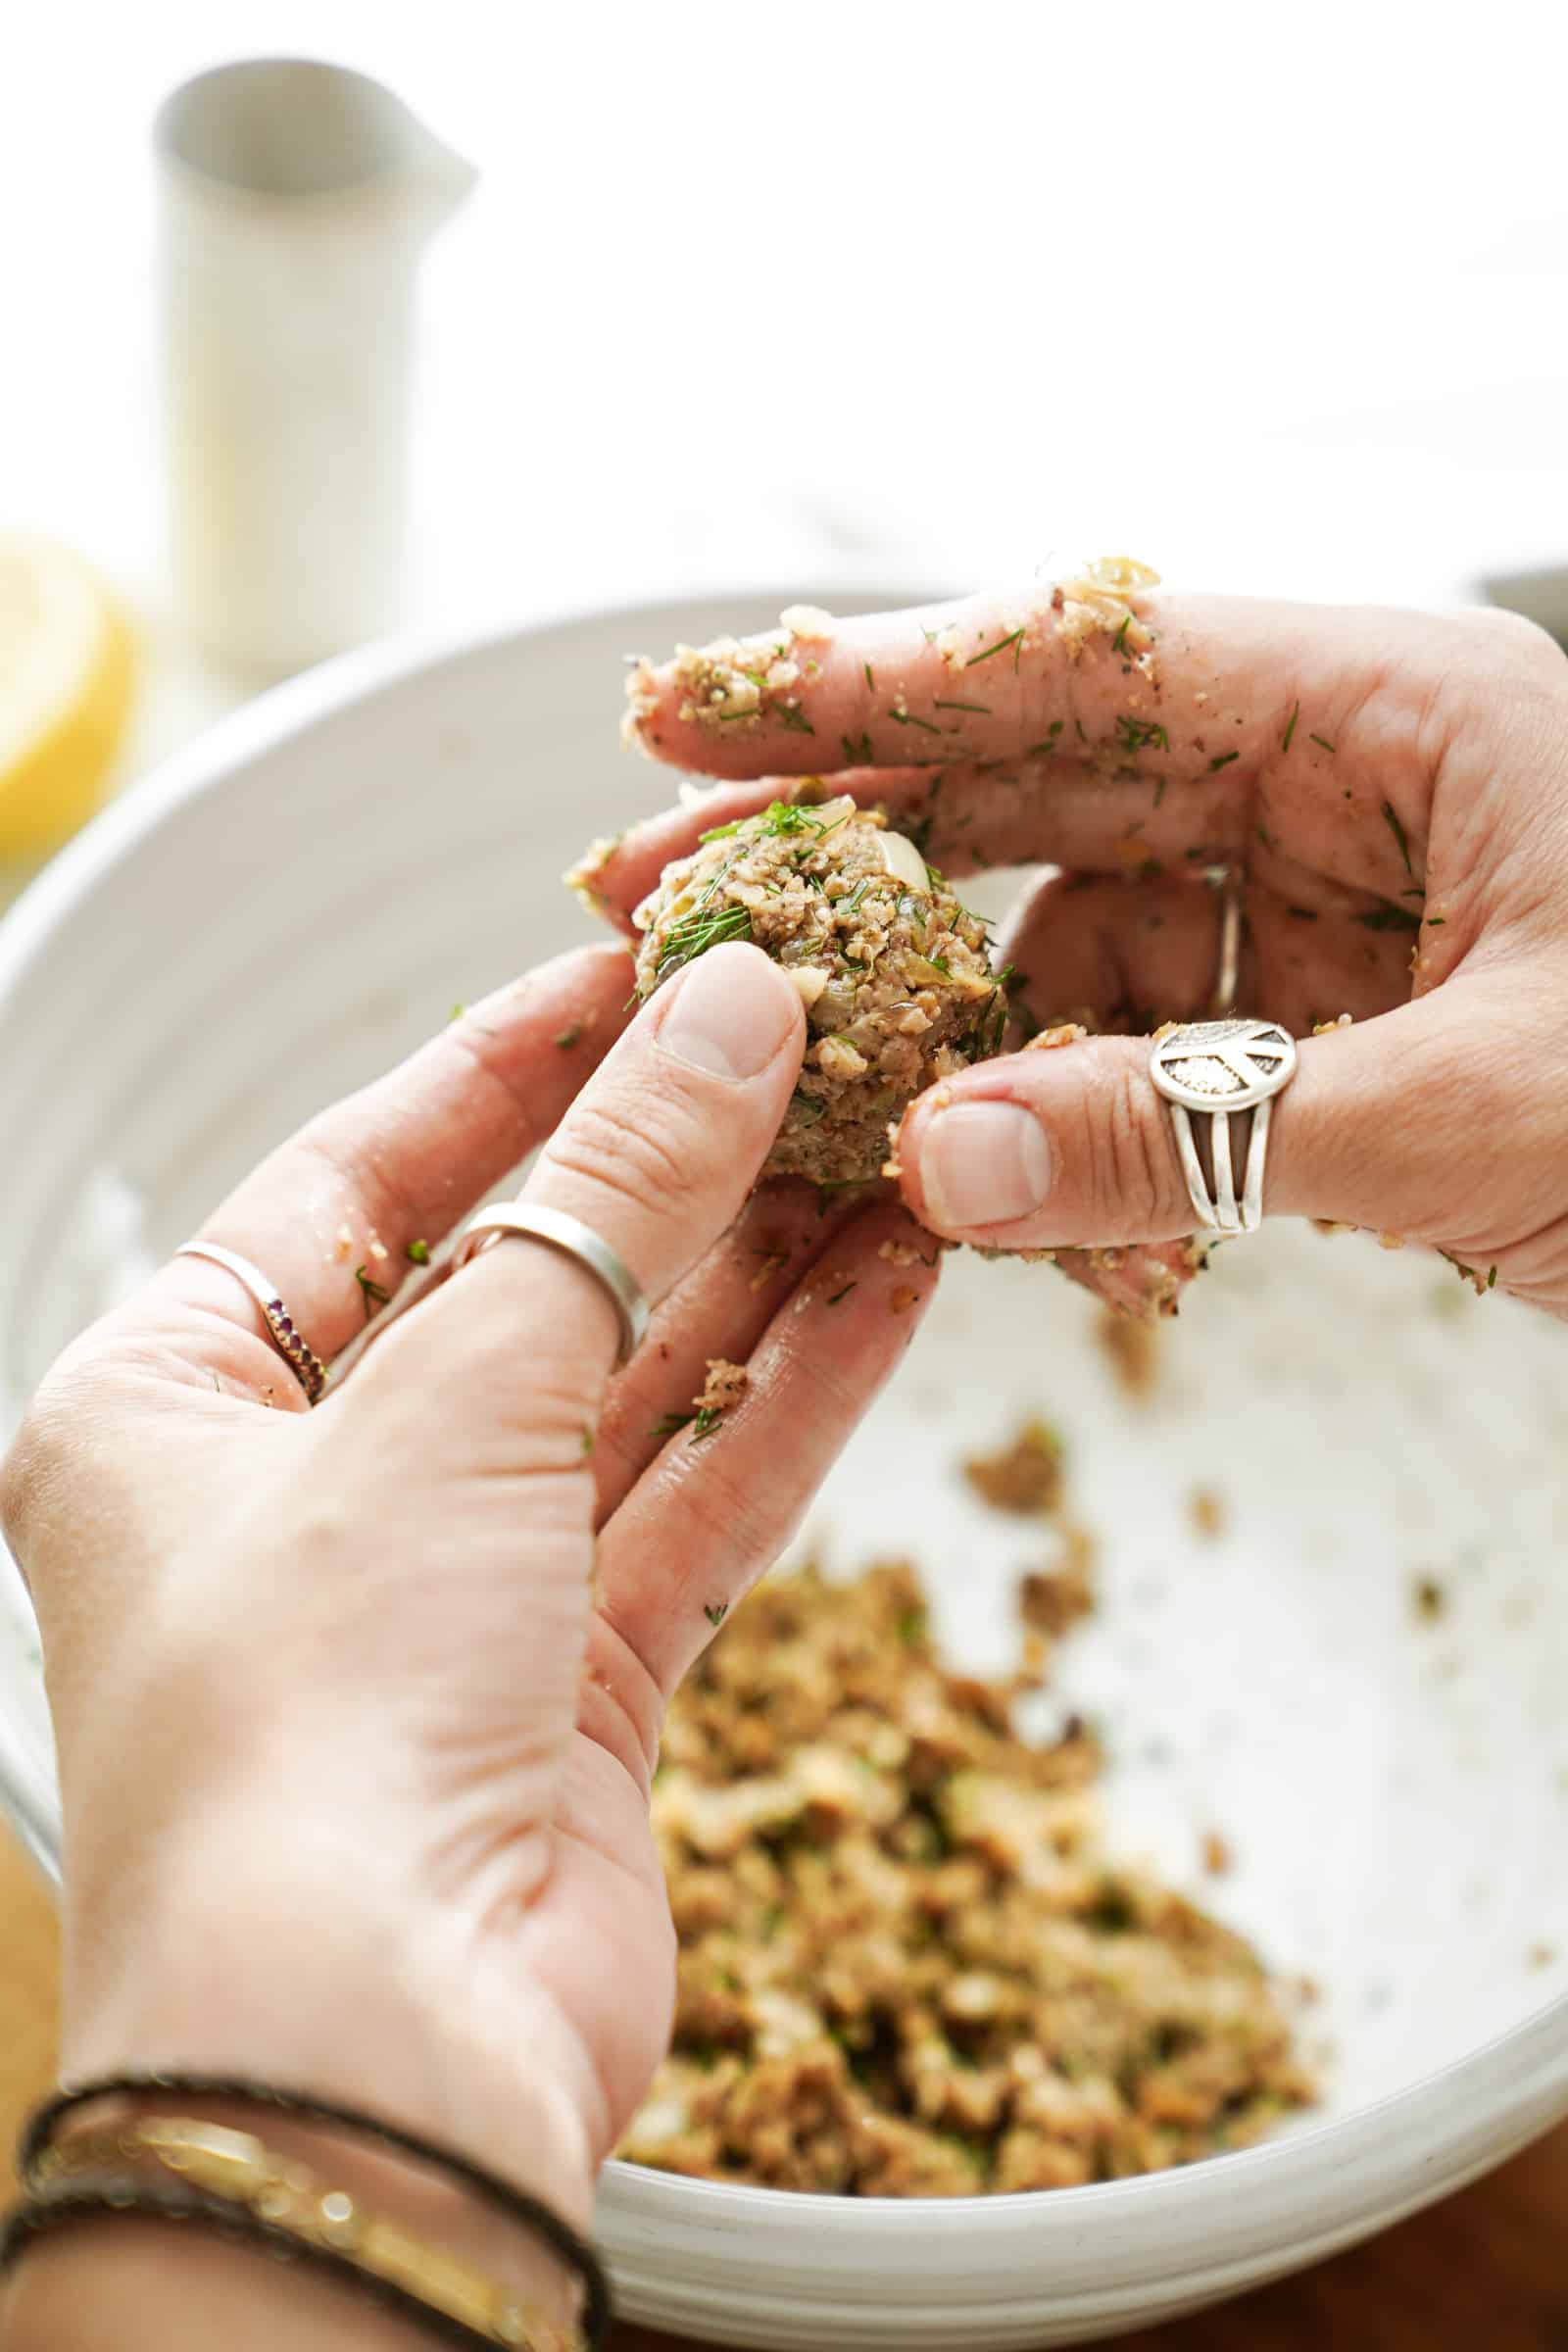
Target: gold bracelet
[242, 2171]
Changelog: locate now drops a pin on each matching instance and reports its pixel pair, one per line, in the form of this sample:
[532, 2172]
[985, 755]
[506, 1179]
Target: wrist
[337, 1984]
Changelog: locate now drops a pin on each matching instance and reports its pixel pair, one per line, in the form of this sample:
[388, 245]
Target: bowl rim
[1450, 2112]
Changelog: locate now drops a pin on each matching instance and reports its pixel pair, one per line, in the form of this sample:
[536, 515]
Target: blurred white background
[1272, 298]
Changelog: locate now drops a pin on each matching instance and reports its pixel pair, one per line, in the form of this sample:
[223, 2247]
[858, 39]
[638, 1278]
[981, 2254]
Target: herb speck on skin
[1079, 725]
[856, 748]
[1120, 638]
[715, 1611]
[1391, 818]
[870, 676]
[980, 709]
[844, 1294]
[668, 1423]
[792, 717]
[1222, 760]
[457, 1013]
[570, 1037]
[706, 1421]
[1390, 917]
[1322, 742]
[587, 1441]
[1303, 915]
[417, 1253]
[906, 718]
[1160, 791]
[1000, 647]
[370, 1292]
[1289, 727]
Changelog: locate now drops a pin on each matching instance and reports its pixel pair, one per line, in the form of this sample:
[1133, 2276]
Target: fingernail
[983, 1163]
[731, 1014]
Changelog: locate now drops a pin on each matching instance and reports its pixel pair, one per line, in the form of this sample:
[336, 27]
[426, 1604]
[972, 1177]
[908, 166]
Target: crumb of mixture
[1216, 1853]
[1095, 604]
[1325, 1028]
[1050, 1041]
[1207, 1510]
[724, 1385]
[583, 878]
[1542, 1955]
[907, 1964]
[1133, 1350]
[1024, 1476]
[807, 623]
[1053, 1600]
[1429, 1599]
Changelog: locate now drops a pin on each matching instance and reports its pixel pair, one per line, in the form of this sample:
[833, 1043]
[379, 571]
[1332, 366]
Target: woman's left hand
[357, 1709]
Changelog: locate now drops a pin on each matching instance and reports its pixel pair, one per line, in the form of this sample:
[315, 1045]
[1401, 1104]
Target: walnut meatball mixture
[907, 1967]
[892, 969]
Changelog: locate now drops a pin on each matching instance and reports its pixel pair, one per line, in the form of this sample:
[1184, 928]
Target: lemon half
[67, 659]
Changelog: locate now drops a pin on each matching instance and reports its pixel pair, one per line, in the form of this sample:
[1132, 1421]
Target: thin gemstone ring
[1221, 1068]
[291, 1344]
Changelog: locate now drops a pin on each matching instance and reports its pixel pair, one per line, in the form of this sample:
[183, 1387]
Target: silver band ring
[574, 1240]
[1221, 1067]
[291, 1344]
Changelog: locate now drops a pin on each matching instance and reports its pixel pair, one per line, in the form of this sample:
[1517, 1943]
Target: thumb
[657, 1157]
[1389, 1124]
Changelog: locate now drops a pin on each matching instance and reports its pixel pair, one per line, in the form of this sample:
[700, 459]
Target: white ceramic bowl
[1396, 1790]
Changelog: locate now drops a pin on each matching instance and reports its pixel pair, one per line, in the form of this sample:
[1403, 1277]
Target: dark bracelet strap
[112, 2200]
[42, 2128]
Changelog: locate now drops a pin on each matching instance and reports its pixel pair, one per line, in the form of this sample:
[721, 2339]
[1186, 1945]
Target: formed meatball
[892, 969]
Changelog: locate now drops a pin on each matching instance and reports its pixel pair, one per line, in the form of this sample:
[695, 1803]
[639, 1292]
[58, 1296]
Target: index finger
[1109, 686]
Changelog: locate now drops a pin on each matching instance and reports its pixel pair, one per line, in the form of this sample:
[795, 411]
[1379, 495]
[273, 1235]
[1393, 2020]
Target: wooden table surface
[1487, 2271]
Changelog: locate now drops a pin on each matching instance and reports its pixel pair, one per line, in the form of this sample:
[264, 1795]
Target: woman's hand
[357, 1709]
[1391, 789]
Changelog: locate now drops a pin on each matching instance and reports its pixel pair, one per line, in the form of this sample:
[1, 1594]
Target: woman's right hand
[1391, 789]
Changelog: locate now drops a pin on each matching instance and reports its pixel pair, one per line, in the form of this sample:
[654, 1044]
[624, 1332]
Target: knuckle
[1135, 1177]
[637, 1148]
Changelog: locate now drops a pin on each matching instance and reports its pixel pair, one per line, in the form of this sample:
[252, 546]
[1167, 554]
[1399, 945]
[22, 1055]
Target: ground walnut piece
[906, 1967]
[892, 969]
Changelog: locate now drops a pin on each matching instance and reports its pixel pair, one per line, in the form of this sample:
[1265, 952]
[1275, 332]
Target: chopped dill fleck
[1303, 914]
[849, 905]
[1434, 922]
[1222, 760]
[715, 1611]
[417, 1253]
[939, 964]
[981, 709]
[844, 1294]
[871, 675]
[1001, 646]
[1137, 734]
[777, 820]
[457, 1013]
[1159, 790]
[1492, 1278]
[698, 931]
[793, 717]
[1149, 872]
[1289, 727]
[370, 1292]
[1120, 638]
[668, 1423]
[587, 1441]
[1390, 917]
[1392, 819]
[906, 718]
[568, 1038]
[1322, 742]
[856, 748]
[706, 1422]
[1079, 725]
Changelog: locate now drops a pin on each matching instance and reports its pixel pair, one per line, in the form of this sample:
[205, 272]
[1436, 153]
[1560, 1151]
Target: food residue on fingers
[724, 1385]
[1095, 602]
[1208, 1511]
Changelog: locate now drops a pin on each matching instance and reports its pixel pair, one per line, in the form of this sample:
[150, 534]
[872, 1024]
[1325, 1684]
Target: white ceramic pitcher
[296, 199]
